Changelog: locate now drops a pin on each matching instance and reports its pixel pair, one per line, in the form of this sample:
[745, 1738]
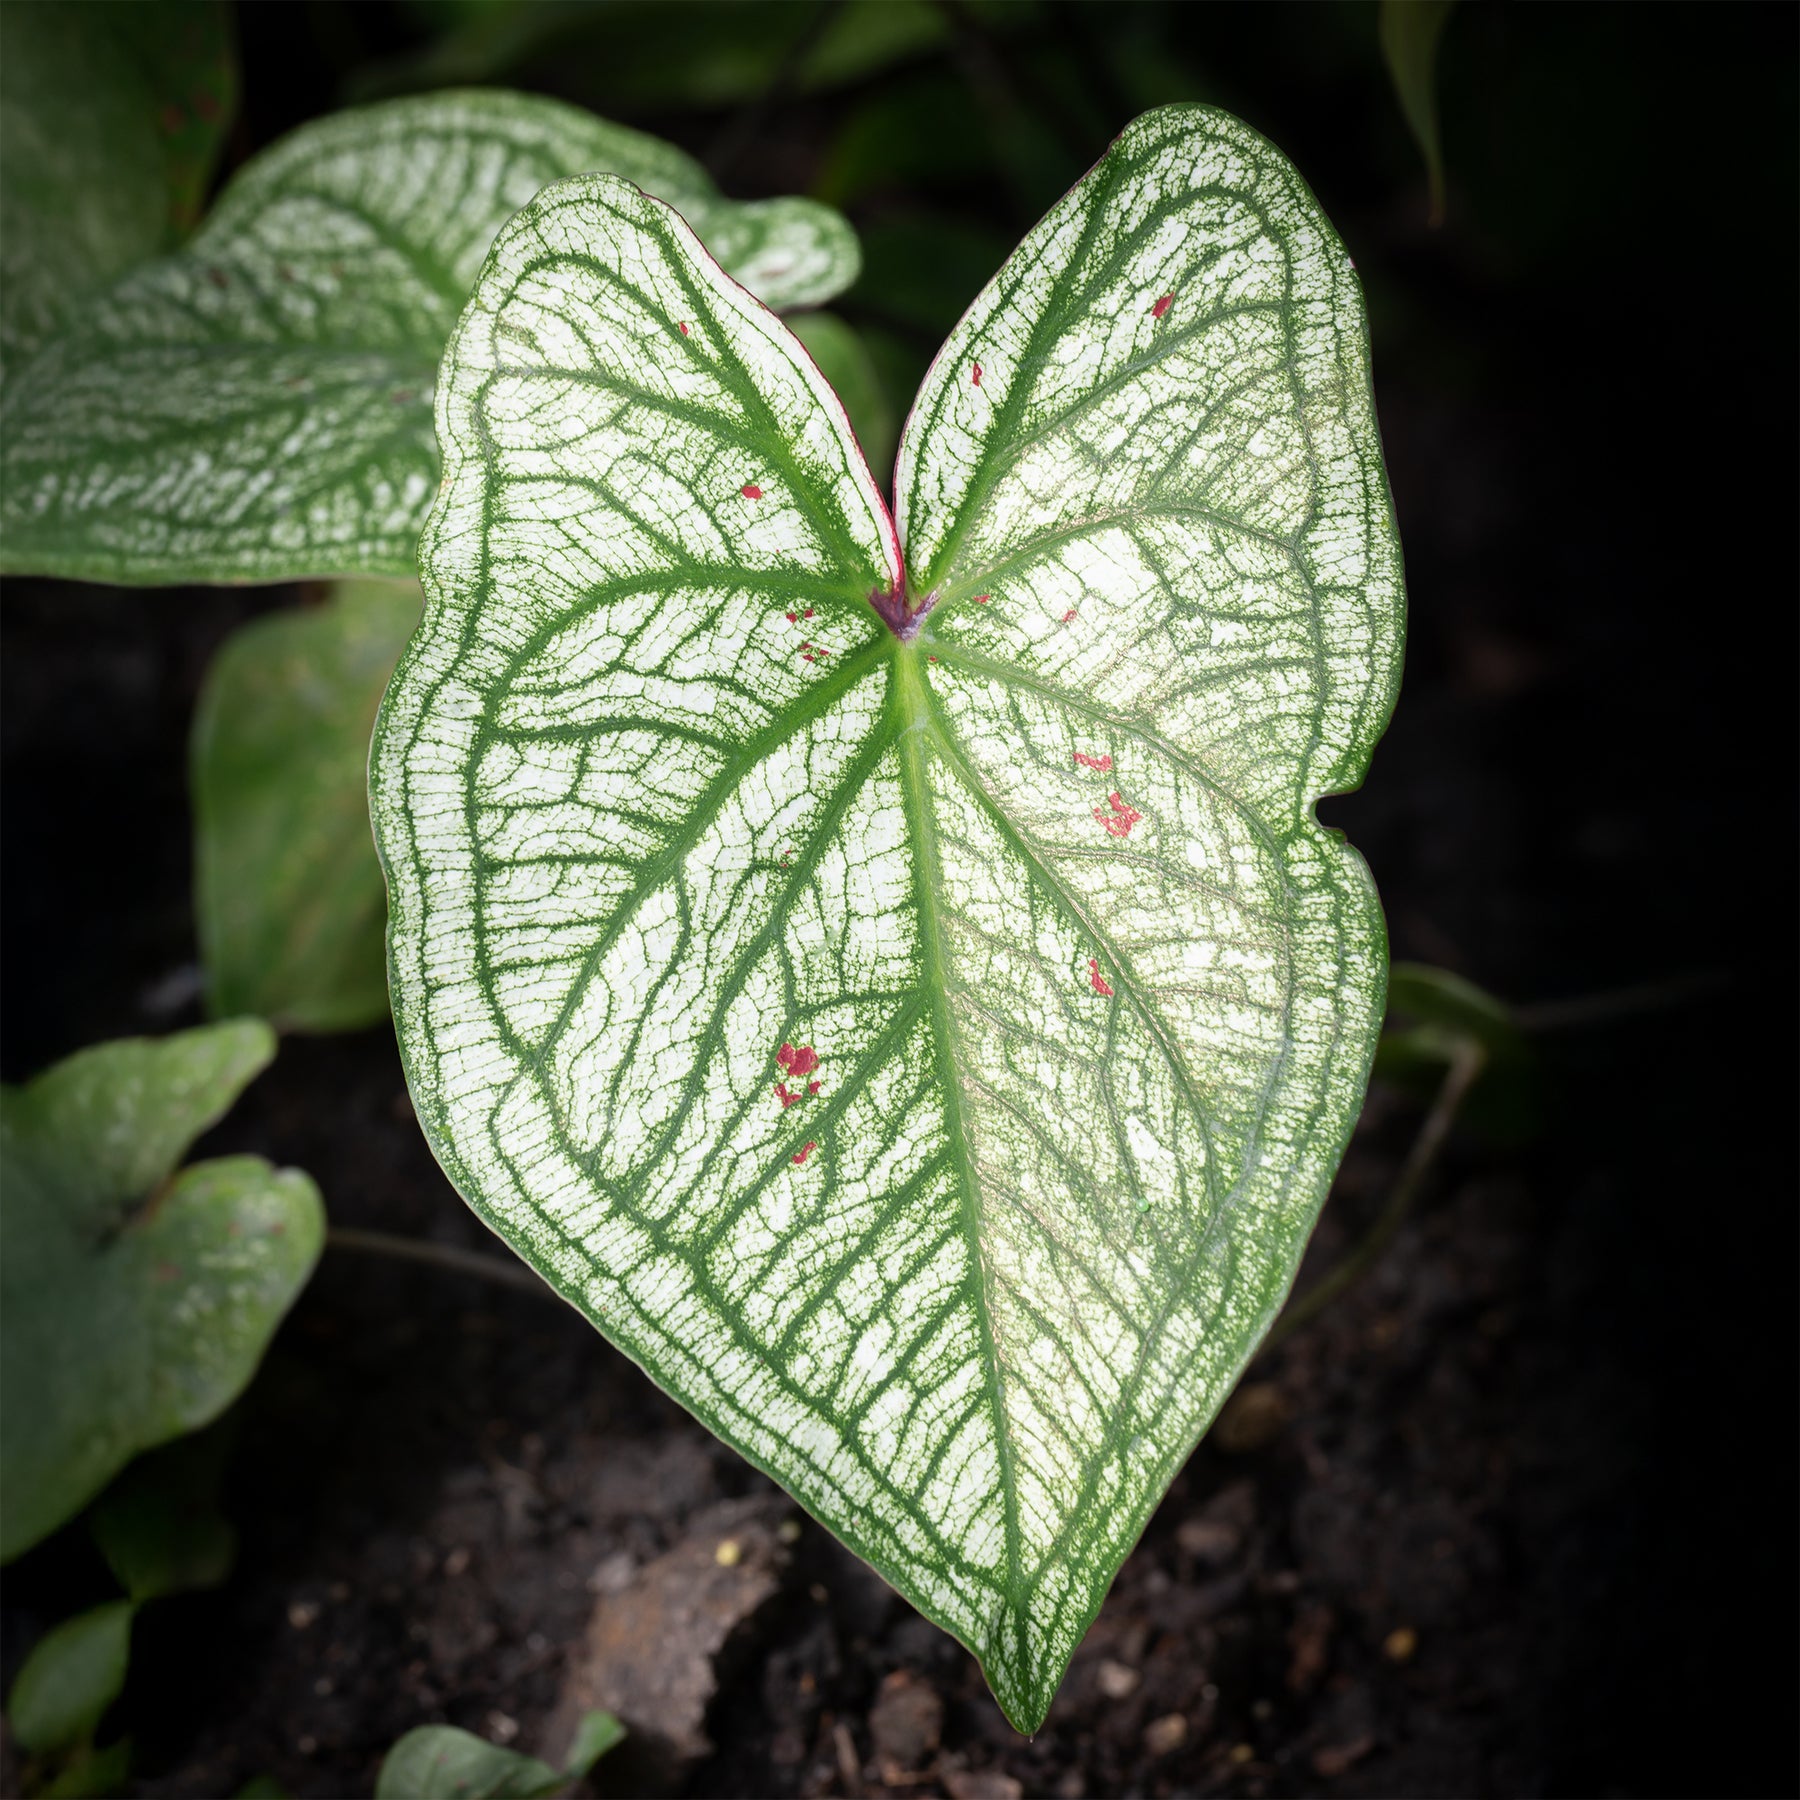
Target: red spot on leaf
[812, 1087]
[978, 374]
[1068, 615]
[806, 1150]
[793, 618]
[807, 657]
[1121, 819]
[983, 599]
[750, 491]
[684, 330]
[782, 1094]
[797, 1062]
[1162, 306]
[1102, 763]
[1101, 984]
[807, 614]
[931, 659]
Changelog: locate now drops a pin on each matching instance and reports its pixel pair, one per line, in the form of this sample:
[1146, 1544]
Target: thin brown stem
[439, 1256]
[1465, 1066]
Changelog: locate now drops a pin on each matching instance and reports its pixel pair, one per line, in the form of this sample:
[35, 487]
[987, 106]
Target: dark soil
[1514, 1517]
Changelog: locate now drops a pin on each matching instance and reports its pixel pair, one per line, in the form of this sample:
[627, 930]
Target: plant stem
[439, 1256]
[1465, 1066]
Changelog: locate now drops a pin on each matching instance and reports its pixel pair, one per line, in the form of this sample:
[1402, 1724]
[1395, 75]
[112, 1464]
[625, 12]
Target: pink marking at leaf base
[1101, 984]
[684, 331]
[750, 491]
[1102, 763]
[782, 1094]
[1121, 819]
[806, 1150]
[978, 374]
[1162, 306]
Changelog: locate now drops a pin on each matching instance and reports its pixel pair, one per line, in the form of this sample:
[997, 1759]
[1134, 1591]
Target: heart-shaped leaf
[135, 1302]
[288, 895]
[258, 407]
[916, 1015]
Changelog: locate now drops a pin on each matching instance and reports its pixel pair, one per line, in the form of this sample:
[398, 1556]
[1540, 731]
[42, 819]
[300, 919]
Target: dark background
[1579, 1363]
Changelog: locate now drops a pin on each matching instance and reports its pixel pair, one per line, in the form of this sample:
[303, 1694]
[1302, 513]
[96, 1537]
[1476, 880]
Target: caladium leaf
[288, 895]
[258, 407]
[913, 1011]
[135, 1300]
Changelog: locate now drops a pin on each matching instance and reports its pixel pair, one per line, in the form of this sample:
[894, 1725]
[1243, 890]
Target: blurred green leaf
[845, 362]
[74, 1673]
[159, 1525]
[1410, 31]
[82, 192]
[1429, 1012]
[262, 1787]
[647, 54]
[258, 407]
[91, 1774]
[438, 1762]
[135, 1303]
[186, 52]
[921, 272]
[291, 906]
[111, 118]
[597, 1733]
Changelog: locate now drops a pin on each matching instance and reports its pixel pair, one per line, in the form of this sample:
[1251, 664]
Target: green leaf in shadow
[135, 1302]
[291, 907]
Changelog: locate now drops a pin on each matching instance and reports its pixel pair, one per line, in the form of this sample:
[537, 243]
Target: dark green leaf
[74, 1673]
[159, 1525]
[291, 907]
[438, 1762]
[134, 1303]
[597, 1733]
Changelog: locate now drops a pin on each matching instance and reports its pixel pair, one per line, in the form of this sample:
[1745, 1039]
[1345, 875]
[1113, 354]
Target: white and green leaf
[258, 406]
[913, 1011]
[135, 1299]
[288, 895]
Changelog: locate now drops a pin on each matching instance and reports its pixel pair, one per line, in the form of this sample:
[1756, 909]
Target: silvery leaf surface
[258, 406]
[891, 979]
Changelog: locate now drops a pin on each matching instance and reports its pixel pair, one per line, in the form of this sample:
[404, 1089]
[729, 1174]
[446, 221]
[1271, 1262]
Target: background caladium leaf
[111, 118]
[135, 1302]
[288, 894]
[918, 1018]
[258, 407]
